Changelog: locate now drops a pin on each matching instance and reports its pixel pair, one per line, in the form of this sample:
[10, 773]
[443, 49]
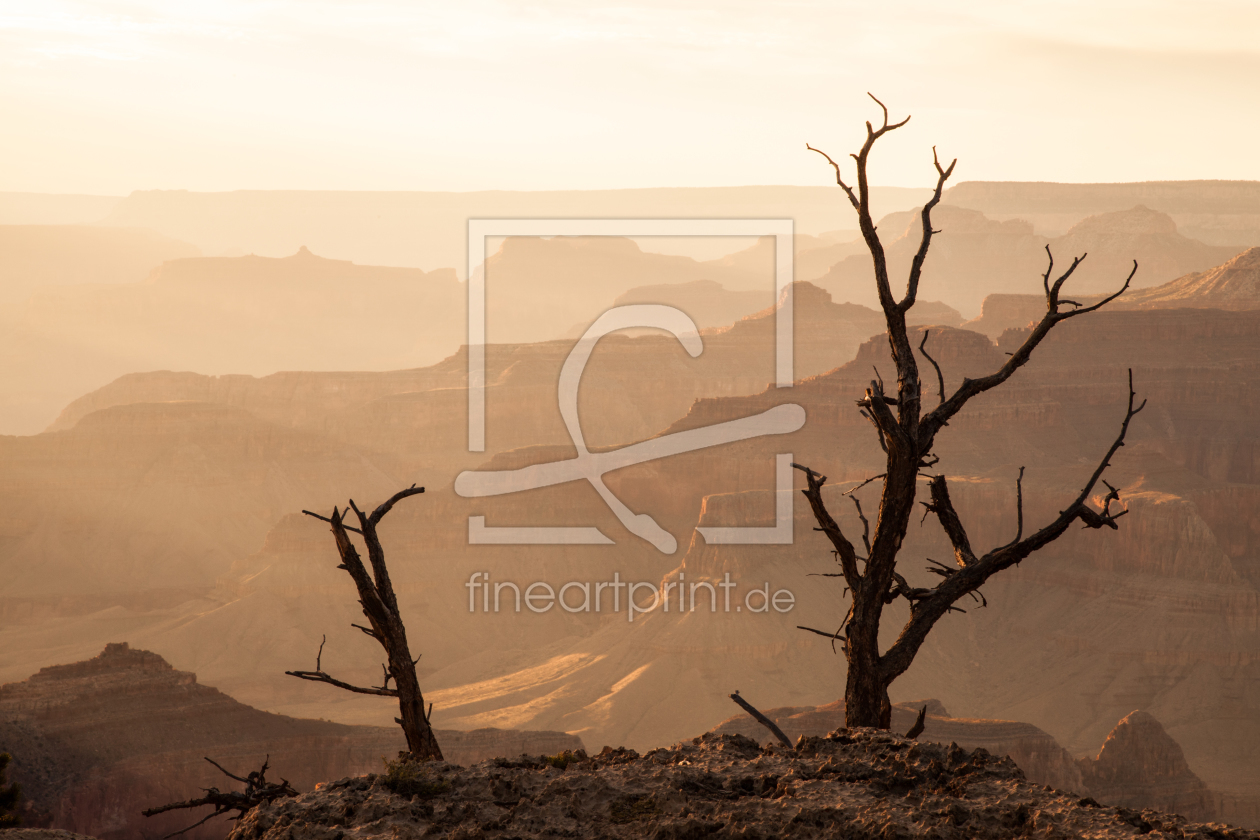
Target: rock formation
[856, 784]
[1139, 765]
[96, 742]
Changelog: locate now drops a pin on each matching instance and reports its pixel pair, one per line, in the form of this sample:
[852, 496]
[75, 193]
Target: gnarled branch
[257, 791]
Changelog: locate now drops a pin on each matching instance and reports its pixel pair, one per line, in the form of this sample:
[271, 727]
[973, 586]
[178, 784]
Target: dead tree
[376, 596]
[907, 433]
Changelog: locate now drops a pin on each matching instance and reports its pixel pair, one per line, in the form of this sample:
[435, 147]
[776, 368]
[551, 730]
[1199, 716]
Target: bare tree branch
[762, 719]
[940, 377]
[916, 266]
[844, 549]
[943, 507]
[320, 676]
[388, 505]
[864, 483]
[839, 179]
[866, 525]
[1019, 508]
[329, 519]
[976, 572]
[970, 388]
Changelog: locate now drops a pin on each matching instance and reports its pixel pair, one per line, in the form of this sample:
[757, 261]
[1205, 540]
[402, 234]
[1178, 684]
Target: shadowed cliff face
[1140, 766]
[97, 742]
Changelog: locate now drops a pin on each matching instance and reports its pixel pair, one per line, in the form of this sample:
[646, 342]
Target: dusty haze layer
[191, 413]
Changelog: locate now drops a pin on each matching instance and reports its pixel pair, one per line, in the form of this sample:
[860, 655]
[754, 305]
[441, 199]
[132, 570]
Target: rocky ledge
[850, 784]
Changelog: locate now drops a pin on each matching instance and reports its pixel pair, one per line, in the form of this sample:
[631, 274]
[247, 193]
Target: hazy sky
[107, 97]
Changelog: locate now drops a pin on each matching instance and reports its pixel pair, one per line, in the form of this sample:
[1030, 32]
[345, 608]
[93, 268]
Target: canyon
[163, 507]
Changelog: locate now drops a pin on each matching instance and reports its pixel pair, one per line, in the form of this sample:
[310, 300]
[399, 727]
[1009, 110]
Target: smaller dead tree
[257, 791]
[376, 595]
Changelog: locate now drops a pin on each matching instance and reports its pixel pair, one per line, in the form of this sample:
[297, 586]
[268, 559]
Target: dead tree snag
[376, 595]
[907, 433]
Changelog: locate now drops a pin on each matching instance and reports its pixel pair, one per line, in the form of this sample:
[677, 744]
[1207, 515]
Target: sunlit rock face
[96, 742]
[1233, 285]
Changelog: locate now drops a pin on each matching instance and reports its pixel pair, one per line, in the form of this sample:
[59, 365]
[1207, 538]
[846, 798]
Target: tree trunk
[866, 700]
[415, 721]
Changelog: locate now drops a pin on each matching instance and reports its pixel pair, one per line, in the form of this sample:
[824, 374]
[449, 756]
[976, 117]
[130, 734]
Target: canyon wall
[97, 742]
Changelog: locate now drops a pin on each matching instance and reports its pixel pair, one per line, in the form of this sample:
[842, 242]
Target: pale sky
[108, 97]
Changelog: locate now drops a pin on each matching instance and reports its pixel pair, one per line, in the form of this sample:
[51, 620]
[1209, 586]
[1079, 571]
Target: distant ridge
[428, 229]
[1214, 212]
[1172, 197]
[1234, 285]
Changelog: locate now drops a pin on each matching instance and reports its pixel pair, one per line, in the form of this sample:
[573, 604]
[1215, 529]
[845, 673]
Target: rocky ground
[851, 784]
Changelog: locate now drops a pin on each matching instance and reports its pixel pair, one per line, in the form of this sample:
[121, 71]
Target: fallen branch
[762, 719]
[257, 792]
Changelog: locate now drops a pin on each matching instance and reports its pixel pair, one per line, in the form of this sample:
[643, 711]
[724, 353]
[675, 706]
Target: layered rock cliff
[96, 742]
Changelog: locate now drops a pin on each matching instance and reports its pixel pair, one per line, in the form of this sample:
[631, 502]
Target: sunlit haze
[109, 97]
